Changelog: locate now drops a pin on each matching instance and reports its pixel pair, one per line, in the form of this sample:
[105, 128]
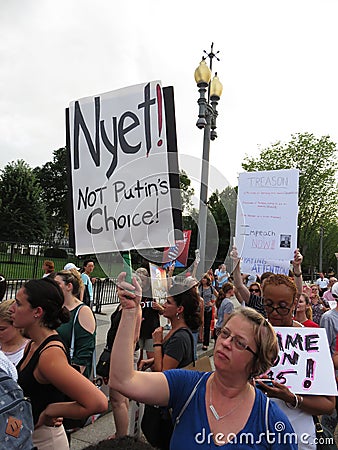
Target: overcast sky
[278, 68]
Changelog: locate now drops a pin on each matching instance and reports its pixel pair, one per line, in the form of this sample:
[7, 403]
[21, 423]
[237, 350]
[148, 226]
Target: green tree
[316, 159]
[22, 212]
[187, 192]
[222, 206]
[52, 177]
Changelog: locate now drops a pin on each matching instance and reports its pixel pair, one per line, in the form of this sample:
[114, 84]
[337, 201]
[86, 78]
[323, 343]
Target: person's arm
[53, 368]
[146, 387]
[297, 270]
[238, 281]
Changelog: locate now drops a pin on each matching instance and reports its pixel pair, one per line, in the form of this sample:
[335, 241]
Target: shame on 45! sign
[304, 362]
[123, 170]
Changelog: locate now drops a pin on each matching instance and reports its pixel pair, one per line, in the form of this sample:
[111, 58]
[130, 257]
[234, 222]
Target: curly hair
[280, 279]
[265, 339]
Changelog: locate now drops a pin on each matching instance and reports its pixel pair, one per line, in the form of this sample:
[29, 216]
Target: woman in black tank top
[45, 374]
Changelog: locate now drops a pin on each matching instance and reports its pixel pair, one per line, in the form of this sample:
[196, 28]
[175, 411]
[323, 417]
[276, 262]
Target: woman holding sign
[214, 408]
[280, 301]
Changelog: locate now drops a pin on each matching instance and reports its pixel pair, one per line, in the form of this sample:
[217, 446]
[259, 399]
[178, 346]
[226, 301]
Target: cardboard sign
[304, 363]
[122, 192]
[158, 282]
[266, 220]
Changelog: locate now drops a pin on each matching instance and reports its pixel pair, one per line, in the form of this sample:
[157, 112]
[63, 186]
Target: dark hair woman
[208, 293]
[175, 350]
[45, 374]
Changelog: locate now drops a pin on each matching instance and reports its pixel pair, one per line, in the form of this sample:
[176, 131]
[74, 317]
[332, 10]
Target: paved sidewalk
[104, 425]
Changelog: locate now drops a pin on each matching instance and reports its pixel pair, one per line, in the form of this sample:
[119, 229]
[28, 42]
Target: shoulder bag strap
[267, 416]
[186, 404]
[72, 341]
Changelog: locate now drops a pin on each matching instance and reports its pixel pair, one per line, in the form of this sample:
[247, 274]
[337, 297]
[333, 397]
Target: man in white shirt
[322, 282]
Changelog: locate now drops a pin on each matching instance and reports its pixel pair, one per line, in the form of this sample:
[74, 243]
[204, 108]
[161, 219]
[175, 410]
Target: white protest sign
[304, 362]
[119, 170]
[332, 304]
[266, 220]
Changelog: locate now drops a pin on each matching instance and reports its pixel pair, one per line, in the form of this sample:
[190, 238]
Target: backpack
[16, 420]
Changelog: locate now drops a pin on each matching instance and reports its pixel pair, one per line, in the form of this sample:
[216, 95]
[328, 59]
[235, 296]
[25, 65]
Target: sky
[278, 67]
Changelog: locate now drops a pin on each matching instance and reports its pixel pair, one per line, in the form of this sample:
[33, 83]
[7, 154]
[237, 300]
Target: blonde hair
[265, 339]
[5, 314]
[72, 276]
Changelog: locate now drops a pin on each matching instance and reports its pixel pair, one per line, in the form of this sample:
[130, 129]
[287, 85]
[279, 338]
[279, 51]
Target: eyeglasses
[239, 342]
[281, 310]
[255, 290]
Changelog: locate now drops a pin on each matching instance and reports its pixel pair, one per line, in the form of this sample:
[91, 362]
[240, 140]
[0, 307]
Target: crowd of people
[48, 339]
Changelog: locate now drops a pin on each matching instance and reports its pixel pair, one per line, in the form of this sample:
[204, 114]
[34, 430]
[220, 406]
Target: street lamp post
[336, 254]
[207, 116]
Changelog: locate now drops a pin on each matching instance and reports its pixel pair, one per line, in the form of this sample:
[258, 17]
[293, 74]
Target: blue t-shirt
[193, 431]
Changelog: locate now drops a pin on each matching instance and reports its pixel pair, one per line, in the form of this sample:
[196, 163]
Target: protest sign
[178, 252]
[158, 282]
[266, 220]
[304, 363]
[122, 150]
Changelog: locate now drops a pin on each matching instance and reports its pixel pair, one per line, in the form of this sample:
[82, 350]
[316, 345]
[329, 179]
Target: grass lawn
[29, 266]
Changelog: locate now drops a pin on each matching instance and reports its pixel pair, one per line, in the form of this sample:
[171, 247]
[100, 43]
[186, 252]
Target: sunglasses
[254, 290]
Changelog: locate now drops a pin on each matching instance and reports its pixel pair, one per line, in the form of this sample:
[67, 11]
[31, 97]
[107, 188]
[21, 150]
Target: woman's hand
[157, 335]
[234, 254]
[45, 419]
[129, 294]
[157, 306]
[144, 364]
[277, 391]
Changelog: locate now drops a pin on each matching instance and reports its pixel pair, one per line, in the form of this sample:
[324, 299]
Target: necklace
[213, 409]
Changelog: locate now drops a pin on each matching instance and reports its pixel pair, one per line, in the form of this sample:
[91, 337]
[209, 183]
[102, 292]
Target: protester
[327, 296]
[317, 304]
[192, 283]
[250, 298]
[247, 346]
[322, 282]
[209, 294]
[304, 312]
[222, 276]
[87, 293]
[280, 301]
[45, 374]
[82, 324]
[48, 268]
[12, 340]
[255, 289]
[151, 310]
[120, 403]
[224, 306]
[176, 349]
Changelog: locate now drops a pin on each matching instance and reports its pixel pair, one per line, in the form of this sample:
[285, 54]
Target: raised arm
[297, 270]
[147, 387]
[238, 281]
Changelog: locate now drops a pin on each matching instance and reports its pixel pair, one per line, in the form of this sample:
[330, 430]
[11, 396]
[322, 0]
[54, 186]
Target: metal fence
[104, 292]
